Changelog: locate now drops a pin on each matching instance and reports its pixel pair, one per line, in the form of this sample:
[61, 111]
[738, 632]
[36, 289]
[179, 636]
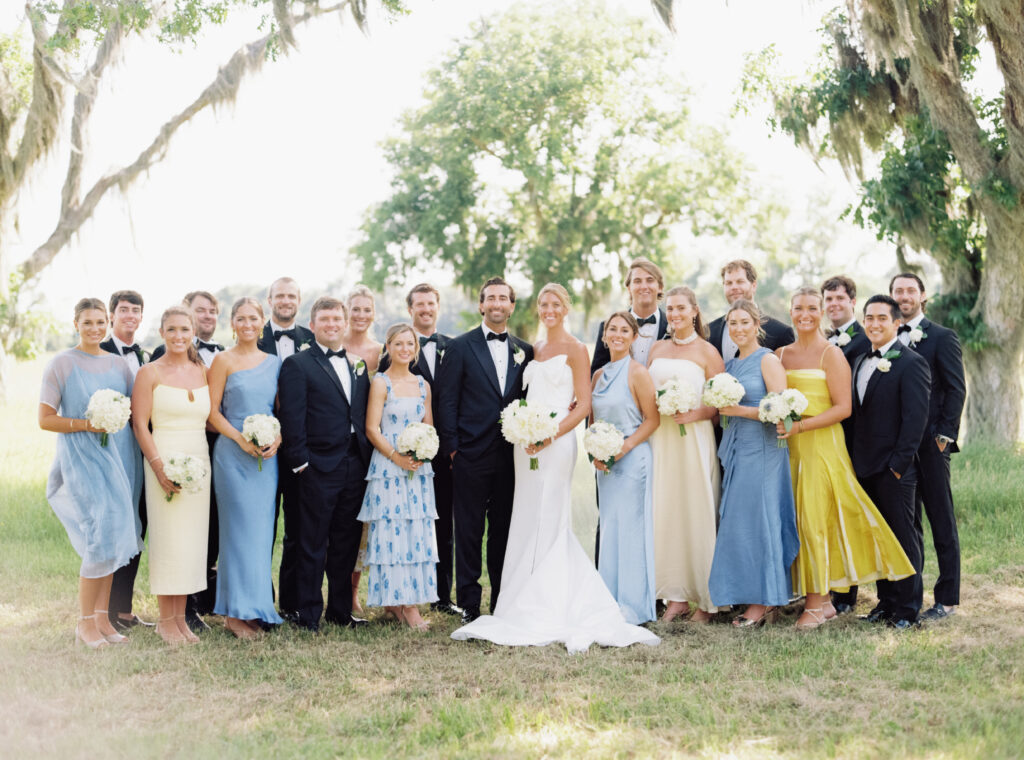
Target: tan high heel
[818, 616]
[174, 637]
[113, 638]
[81, 640]
[768, 616]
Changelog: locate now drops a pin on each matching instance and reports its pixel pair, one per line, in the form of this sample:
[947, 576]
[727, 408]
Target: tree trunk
[993, 395]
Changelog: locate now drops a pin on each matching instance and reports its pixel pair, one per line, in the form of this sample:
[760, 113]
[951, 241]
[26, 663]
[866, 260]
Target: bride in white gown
[550, 590]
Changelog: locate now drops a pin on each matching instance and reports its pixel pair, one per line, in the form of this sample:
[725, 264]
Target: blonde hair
[807, 290]
[181, 311]
[651, 268]
[397, 329]
[751, 308]
[560, 292]
[89, 303]
[361, 291]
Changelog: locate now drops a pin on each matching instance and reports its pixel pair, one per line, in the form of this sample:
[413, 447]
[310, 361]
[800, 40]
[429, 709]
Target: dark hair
[651, 268]
[840, 281]
[894, 307]
[743, 264]
[245, 301]
[629, 318]
[751, 308]
[423, 287]
[180, 311]
[910, 275]
[190, 297]
[498, 281]
[130, 296]
[89, 303]
[698, 323]
[327, 302]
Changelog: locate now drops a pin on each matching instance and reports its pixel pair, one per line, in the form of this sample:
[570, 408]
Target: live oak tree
[551, 146]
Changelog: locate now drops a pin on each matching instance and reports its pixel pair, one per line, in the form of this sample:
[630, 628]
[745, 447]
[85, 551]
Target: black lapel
[662, 324]
[876, 376]
[325, 365]
[856, 371]
[512, 367]
[483, 355]
[269, 344]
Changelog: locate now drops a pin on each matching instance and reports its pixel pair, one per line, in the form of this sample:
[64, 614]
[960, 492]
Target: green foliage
[16, 68]
[23, 330]
[552, 146]
[70, 19]
[957, 311]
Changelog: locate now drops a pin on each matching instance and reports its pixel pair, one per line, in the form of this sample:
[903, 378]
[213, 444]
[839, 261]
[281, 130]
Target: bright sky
[278, 183]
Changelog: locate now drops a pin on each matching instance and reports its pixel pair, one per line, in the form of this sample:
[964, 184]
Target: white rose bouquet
[418, 440]
[603, 442]
[186, 472]
[108, 410]
[785, 407]
[721, 391]
[676, 397]
[525, 423]
[262, 430]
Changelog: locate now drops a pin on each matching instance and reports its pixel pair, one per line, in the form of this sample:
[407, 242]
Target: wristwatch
[944, 439]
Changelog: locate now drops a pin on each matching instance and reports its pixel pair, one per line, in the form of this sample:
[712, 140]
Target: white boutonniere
[917, 335]
[884, 365]
[302, 347]
[360, 368]
[843, 339]
[518, 356]
[440, 354]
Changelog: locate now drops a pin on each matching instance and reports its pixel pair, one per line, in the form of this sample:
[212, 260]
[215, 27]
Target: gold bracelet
[71, 425]
[392, 454]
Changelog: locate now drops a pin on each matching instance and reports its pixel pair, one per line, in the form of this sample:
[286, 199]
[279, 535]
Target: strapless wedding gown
[550, 590]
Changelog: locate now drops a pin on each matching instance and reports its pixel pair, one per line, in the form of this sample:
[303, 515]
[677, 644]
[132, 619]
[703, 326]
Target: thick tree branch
[1004, 26]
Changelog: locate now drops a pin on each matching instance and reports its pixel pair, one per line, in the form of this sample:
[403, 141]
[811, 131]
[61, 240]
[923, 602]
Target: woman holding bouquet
[757, 539]
[172, 394]
[398, 507]
[685, 466]
[243, 382]
[623, 395]
[844, 540]
[92, 488]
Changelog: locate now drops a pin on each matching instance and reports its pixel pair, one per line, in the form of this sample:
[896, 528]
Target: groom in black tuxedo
[891, 385]
[739, 280]
[481, 374]
[323, 425]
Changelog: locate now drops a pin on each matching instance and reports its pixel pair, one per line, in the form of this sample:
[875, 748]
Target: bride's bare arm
[579, 363]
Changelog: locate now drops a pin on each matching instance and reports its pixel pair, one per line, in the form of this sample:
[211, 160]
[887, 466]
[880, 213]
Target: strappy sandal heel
[819, 618]
[768, 616]
[79, 639]
[115, 637]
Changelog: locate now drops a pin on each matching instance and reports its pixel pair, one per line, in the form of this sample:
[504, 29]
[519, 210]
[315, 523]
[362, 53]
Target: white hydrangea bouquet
[785, 407]
[721, 391]
[186, 472]
[677, 397]
[419, 440]
[603, 442]
[108, 410]
[525, 423]
[262, 430]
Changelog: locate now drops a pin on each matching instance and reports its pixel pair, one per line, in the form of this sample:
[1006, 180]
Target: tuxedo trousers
[444, 527]
[483, 489]
[122, 585]
[935, 495]
[326, 535]
[895, 499]
[286, 500]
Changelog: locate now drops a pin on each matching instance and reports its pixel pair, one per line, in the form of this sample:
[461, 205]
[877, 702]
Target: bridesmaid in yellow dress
[686, 473]
[172, 394]
[844, 540]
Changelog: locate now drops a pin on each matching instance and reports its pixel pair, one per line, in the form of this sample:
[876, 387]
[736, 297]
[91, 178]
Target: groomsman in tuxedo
[482, 372]
[323, 425]
[125, 318]
[891, 385]
[941, 349]
[205, 310]
[739, 280]
[645, 284]
[423, 303]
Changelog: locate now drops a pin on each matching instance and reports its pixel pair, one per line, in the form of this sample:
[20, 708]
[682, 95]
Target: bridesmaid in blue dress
[243, 381]
[401, 548]
[92, 488]
[623, 394]
[757, 539]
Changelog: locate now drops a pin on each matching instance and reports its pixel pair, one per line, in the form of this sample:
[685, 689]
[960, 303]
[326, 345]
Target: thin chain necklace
[684, 341]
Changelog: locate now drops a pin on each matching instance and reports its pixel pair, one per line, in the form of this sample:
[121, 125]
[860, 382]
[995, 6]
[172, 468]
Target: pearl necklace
[684, 341]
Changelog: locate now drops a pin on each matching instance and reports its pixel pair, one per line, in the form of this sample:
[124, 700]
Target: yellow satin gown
[844, 540]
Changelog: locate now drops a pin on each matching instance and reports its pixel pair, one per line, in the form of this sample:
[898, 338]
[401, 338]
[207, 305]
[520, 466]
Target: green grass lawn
[848, 690]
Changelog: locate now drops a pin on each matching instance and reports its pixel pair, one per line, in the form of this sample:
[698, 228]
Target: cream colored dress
[178, 528]
[686, 492]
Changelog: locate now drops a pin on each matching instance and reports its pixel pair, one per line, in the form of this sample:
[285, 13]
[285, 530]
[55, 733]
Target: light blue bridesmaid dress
[625, 496]
[245, 501]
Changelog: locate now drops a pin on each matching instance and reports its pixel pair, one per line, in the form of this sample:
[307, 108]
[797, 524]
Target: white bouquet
[419, 440]
[262, 430]
[108, 410]
[676, 397]
[721, 391]
[785, 407]
[186, 472]
[525, 423]
[797, 404]
[603, 442]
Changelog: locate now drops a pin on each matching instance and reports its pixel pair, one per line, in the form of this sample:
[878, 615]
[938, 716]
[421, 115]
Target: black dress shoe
[842, 608]
[877, 615]
[123, 624]
[902, 625]
[196, 624]
[937, 612]
[448, 608]
[469, 614]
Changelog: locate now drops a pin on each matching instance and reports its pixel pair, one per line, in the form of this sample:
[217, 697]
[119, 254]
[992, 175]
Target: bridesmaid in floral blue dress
[757, 538]
[93, 489]
[623, 394]
[401, 549]
[243, 381]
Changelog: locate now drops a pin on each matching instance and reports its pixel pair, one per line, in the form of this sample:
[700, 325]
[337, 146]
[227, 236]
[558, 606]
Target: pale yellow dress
[178, 528]
[686, 493]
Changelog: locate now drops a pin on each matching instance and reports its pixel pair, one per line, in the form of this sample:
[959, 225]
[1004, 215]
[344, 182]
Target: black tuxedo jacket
[859, 344]
[776, 334]
[470, 401]
[889, 424]
[422, 369]
[316, 417]
[267, 343]
[601, 354]
[109, 346]
[941, 349]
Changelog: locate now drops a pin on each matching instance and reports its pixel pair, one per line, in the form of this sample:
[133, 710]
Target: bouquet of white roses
[603, 442]
[525, 423]
[676, 397]
[721, 391]
[186, 472]
[785, 407]
[419, 440]
[262, 430]
[108, 410]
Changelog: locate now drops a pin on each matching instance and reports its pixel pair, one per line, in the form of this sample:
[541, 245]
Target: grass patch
[954, 690]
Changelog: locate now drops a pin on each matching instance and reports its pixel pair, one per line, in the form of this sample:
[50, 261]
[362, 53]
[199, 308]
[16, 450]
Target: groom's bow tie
[831, 332]
[132, 349]
[331, 352]
[876, 354]
[215, 347]
[904, 329]
[498, 336]
[647, 320]
[431, 339]
[290, 332]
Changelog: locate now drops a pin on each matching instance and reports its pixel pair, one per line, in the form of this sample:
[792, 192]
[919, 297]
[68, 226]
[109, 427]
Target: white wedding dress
[550, 590]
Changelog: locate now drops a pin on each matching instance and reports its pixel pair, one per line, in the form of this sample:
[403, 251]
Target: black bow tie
[215, 347]
[832, 332]
[497, 336]
[875, 355]
[425, 341]
[331, 352]
[290, 332]
[132, 349]
[903, 329]
[647, 320]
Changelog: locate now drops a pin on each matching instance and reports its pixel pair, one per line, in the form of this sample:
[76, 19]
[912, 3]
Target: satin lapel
[877, 375]
[856, 370]
[483, 355]
[355, 383]
[325, 365]
[269, 344]
[424, 367]
[662, 324]
[512, 367]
